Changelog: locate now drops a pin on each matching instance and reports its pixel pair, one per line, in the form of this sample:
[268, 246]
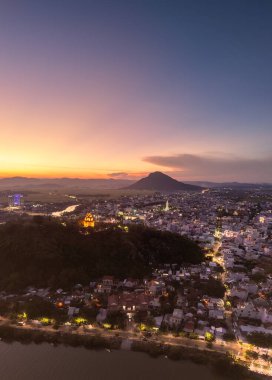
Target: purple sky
[92, 88]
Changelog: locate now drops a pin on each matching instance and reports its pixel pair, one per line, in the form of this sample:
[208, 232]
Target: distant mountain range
[17, 183]
[158, 181]
[231, 185]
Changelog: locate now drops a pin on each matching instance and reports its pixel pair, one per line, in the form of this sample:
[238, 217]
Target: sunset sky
[96, 88]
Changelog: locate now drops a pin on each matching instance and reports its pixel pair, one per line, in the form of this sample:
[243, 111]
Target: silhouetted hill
[158, 181]
[45, 253]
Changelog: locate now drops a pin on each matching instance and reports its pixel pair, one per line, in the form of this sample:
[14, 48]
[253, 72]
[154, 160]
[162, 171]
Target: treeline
[45, 253]
[11, 334]
[34, 307]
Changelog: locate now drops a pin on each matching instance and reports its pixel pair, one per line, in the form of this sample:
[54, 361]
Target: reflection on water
[45, 362]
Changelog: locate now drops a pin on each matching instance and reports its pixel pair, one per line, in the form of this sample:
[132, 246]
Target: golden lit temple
[88, 221]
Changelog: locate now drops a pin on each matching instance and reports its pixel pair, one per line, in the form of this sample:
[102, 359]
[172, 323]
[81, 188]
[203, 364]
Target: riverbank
[9, 333]
[221, 364]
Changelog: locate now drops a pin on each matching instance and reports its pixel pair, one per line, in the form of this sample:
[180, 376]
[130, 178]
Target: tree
[166, 306]
[214, 288]
[37, 307]
[260, 339]
[251, 355]
[116, 319]
[209, 337]
[44, 253]
[140, 316]
[258, 277]
[229, 337]
[89, 313]
[150, 321]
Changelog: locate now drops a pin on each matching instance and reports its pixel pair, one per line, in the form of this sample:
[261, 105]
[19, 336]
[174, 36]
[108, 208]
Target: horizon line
[125, 179]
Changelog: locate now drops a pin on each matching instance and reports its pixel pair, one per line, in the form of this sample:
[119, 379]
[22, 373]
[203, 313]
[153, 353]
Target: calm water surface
[45, 362]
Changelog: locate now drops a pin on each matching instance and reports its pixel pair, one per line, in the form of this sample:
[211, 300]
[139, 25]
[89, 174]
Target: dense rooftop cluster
[147, 273]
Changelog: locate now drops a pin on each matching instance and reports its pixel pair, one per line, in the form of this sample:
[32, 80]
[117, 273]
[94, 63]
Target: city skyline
[101, 89]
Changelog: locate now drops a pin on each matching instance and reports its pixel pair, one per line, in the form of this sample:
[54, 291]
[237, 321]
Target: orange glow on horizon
[50, 174]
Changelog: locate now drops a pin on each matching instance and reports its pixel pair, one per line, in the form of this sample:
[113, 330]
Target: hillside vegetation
[45, 253]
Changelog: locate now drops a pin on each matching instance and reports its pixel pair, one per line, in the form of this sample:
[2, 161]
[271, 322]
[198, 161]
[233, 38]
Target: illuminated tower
[88, 221]
[166, 208]
[15, 200]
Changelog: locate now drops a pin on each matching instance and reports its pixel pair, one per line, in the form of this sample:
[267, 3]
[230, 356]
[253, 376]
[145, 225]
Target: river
[46, 362]
[68, 209]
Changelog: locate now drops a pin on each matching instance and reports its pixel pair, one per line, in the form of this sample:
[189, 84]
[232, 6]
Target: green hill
[46, 253]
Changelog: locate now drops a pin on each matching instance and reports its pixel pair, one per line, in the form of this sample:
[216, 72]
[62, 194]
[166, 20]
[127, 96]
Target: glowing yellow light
[209, 337]
[106, 326]
[142, 327]
[22, 316]
[80, 320]
[46, 321]
[88, 221]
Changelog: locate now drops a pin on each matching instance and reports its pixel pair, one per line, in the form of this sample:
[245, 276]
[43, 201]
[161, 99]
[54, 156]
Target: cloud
[222, 167]
[118, 174]
[133, 176]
